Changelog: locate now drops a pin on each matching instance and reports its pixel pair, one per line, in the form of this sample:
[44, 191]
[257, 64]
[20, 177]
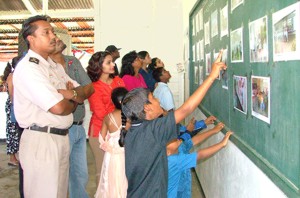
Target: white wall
[229, 173]
[151, 25]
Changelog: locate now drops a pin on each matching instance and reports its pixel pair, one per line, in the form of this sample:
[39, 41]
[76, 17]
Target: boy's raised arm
[194, 100]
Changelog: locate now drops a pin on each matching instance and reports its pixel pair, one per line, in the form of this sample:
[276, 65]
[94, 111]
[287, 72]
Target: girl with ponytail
[113, 182]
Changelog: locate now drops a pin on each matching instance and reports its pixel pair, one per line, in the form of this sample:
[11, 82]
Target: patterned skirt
[12, 132]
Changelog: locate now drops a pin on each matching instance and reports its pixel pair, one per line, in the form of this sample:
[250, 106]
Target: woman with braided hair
[113, 182]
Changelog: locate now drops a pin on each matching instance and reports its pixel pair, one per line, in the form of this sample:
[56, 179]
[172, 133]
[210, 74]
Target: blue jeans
[78, 177]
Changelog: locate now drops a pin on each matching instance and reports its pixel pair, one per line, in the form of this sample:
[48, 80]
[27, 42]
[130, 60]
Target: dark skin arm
[83, 92]
[200, 137]
[64, 107]
[209, 151]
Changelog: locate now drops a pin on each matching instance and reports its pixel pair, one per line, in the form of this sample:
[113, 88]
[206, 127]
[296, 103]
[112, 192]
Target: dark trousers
[20, 168]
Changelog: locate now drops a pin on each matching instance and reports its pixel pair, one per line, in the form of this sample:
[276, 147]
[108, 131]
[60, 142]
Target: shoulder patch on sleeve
[34, 60]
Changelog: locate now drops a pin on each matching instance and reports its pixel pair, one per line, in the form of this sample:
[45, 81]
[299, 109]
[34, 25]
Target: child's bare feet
[210, 120]
[219, 127]
[226, 138]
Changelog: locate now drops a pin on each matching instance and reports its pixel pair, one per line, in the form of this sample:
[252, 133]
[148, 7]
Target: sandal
[15, 164]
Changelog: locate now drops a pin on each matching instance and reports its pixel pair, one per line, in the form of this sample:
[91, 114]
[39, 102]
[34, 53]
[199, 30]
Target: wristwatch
[74, 94]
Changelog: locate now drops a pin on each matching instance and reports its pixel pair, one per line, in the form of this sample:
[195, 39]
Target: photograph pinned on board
[207, 64]
[197, 23]
[236, 43]
[286, 33]
[198, 51]
[194, 26]
[224, 73]
[201, 75]
[240, 93]
[200, 15]
[224, 20]
[206, 33]
[235, 4]
[196, 75]
[260, 99]
[258, 40]
[201, 50]
[214, 23]
[194, 53]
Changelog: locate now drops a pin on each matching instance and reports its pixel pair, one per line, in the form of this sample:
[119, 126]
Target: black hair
[28, 28]
[95, 67]
[10, 67]
[117, 96]
[133, 109]
[157, 73]
[123, 130]
[127, 60]
[142, 54]
[152, 65]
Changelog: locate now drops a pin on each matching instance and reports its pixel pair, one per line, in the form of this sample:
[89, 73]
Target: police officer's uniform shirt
[36, 81]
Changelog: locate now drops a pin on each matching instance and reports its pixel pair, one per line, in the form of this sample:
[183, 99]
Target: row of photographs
[198, 19]
[286, 36]
[260, 89]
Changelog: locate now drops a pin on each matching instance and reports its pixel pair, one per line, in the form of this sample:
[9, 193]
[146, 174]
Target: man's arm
[64, 107]
[85, 91]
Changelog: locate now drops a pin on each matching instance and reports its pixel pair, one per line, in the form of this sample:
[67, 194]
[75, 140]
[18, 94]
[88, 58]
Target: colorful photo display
[258, 40]
[236, 42]
[223, 73]
[240, 93]
[235, 4]
[286, 41]
[260, 100]
[208, 64]
[224, 21]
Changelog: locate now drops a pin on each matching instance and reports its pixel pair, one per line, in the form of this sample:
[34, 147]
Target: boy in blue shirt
[180, 161]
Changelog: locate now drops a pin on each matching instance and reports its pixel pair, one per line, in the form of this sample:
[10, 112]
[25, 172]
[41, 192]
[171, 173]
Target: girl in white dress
[113, 182]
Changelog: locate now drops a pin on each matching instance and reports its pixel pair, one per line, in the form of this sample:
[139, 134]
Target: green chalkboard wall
[262, 41]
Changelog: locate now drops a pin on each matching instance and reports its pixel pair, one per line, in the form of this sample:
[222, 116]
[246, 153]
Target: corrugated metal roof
[81, 29]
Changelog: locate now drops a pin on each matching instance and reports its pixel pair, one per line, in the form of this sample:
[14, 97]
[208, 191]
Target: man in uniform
[114, 51]
[44, 100]
[78, 174]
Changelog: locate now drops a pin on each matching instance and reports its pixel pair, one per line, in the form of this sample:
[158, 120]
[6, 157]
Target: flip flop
[15, 164]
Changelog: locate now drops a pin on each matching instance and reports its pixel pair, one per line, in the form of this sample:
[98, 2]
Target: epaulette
[34, 60]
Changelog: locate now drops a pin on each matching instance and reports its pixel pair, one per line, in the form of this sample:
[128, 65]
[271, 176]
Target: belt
[47, 129]
[78, 123]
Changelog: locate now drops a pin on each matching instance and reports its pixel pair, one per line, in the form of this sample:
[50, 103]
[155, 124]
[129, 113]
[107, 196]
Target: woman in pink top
[101, 72]
[131, 64]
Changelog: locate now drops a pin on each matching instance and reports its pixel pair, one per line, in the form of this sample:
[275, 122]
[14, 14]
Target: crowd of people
[140, 148]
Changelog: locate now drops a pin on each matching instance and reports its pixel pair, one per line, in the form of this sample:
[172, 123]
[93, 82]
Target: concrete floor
[9, 181]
